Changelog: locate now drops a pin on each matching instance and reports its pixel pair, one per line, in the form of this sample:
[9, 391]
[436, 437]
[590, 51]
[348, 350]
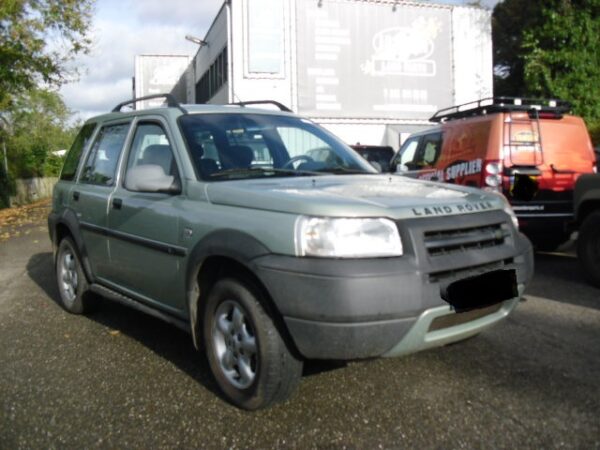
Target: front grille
[445, 242]
[445, 276]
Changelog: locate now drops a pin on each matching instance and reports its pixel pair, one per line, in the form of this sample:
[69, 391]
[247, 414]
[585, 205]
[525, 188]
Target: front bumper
[351, 309]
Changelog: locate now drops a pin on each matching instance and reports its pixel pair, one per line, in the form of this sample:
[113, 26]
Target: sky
[122, 29]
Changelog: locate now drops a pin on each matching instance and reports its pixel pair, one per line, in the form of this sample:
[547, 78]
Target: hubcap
[234, 342]
[68, 276]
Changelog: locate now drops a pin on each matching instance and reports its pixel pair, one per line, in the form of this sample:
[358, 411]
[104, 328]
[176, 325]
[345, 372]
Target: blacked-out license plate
[482, 290]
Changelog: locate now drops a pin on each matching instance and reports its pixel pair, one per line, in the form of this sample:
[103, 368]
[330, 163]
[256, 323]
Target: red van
[532, 151]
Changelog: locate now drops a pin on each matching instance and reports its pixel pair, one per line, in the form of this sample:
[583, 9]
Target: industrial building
[371, 71]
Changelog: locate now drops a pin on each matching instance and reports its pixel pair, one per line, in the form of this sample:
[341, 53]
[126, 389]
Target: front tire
[588, 248]
[249, 358]
[70, 277]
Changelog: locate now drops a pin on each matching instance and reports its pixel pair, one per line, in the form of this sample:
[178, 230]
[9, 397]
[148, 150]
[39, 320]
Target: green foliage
[40, 126]
[37, 40]
[550, 49]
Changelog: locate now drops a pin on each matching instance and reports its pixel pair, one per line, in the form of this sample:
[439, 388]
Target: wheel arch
[226, 253]
[67, 225]
[586, 207]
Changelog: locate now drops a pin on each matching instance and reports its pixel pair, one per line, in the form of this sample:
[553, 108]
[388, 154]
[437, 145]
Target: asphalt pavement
[120, 379]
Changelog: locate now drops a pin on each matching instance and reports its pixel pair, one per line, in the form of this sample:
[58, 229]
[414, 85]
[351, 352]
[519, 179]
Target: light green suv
[271, 242]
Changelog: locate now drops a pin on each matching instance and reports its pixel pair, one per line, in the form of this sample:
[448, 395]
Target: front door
[145, 252]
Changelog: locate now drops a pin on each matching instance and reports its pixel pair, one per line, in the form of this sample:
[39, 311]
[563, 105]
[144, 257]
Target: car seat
[159, 155]
[237, 156]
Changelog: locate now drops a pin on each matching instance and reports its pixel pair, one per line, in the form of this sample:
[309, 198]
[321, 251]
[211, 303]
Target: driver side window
[306, 148]
[150, 156]
[406, 156]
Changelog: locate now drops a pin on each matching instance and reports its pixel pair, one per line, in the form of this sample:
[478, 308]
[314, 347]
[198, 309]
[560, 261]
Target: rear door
[145, 252]
[89, 197]
[552, 153]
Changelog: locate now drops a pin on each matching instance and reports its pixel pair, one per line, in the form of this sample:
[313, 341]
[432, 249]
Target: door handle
[117, 203]
[76, 195]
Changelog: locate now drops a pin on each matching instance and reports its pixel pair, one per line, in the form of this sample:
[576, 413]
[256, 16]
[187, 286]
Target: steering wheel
[291, 161]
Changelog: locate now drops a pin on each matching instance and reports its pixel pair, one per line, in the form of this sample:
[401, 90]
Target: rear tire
[71, 280]
[248, 357]
[588, 248]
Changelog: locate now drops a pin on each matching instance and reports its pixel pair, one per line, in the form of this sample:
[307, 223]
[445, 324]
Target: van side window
[150, 147]
[72, 160]
[101, 164]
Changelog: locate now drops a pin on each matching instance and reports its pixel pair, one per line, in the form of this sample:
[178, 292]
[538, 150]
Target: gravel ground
[120, 379]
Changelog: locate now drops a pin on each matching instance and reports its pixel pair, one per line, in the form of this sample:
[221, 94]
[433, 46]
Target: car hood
[352, 196]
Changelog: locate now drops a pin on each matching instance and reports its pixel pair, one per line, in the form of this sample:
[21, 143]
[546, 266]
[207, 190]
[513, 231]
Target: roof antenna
[236, 97]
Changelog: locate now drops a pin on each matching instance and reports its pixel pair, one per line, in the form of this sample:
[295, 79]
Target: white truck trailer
[371, 71]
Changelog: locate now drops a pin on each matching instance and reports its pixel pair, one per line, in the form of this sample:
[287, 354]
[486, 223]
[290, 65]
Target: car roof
[188, 110]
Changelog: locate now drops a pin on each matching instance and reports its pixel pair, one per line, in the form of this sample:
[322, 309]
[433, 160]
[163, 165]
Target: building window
[213, 79]
[265, 37]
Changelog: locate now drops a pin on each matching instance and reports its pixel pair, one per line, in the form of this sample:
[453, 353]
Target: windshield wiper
[345, 170]
[263, 171]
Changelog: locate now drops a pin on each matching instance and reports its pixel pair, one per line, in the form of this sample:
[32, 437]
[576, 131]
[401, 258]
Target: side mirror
[151, 178]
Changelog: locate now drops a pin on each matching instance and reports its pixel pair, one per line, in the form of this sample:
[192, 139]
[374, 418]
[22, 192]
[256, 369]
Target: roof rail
[501, 104]
[281, 106]
[170, 100]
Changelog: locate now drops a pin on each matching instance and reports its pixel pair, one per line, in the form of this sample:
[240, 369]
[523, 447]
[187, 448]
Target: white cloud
[198, 13]
[123, 29]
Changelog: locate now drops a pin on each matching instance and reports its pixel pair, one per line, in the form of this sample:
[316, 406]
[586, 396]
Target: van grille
[460, 240]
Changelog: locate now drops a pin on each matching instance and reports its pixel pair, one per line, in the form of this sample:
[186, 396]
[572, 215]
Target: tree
[40, 126]
[550, 49]
[37, 40]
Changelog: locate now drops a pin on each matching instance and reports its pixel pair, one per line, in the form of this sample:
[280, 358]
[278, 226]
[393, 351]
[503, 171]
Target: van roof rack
[501, 104]
[281, 106]
[170, 100]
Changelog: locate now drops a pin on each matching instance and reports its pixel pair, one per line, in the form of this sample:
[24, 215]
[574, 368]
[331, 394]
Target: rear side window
[72, 160]
[101, 164]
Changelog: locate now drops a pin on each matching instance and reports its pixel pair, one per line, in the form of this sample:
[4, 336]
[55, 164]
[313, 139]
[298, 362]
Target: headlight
[347, 237]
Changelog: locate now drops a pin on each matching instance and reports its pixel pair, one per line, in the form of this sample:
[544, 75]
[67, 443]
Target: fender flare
[232, 244]
[68, 218]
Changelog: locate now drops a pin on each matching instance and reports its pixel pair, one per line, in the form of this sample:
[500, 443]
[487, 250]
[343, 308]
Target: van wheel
[248, 357]
[72, 284]
[588, 248]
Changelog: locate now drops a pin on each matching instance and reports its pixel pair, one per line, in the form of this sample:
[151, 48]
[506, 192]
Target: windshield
[234, 146]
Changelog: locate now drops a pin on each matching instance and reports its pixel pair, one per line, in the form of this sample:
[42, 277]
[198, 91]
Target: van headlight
[329, 237]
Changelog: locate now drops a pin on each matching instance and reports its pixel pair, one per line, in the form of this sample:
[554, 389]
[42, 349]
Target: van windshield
[235, 146]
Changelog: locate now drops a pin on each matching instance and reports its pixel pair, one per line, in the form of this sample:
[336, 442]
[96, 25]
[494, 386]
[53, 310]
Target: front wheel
[249, 358]
[588, 248]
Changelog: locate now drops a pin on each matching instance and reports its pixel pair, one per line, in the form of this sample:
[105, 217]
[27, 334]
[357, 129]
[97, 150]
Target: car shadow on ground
[163, 339]
[572, 287]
